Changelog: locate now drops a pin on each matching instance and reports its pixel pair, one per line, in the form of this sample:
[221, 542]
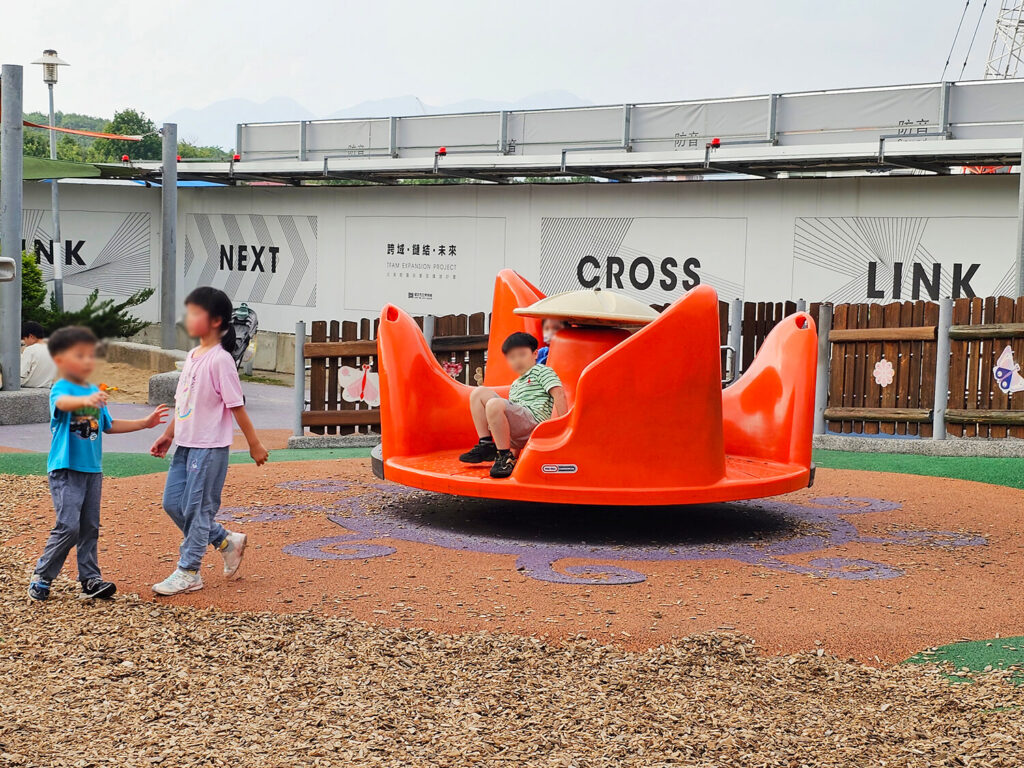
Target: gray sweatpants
[76, 499]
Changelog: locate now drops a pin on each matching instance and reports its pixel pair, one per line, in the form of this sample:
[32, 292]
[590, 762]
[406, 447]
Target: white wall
[759, 240]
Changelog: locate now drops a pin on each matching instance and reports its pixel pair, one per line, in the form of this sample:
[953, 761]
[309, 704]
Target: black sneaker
[481, 452]
[503, 464]
[97, 588]
[39, 591]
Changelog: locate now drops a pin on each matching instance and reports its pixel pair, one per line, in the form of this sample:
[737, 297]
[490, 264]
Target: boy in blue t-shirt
[78, 419]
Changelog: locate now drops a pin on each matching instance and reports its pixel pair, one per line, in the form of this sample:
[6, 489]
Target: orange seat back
[573, 349]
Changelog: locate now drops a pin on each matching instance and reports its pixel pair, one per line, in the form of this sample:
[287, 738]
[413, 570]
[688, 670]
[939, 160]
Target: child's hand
[157, 417]
[96, 400]
[161, 446]
[259, 454]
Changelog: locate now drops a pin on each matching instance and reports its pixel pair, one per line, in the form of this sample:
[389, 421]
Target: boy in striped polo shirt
[503, 425]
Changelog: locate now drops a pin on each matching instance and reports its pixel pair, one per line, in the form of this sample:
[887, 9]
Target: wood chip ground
[130, 683]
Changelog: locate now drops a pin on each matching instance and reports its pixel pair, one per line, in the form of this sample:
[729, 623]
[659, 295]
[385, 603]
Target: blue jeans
[76, 500]
[192, 500]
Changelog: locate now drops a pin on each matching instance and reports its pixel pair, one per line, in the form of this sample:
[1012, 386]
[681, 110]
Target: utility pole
[1004, 57]
[11, 174]
[169, 237]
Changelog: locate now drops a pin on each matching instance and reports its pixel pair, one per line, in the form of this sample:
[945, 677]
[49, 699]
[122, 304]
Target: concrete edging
[1005, 448]
[144, 356]
[333, 441]
[24, 406]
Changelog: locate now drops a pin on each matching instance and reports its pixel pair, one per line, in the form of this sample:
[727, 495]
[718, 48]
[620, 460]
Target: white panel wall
[761, 240]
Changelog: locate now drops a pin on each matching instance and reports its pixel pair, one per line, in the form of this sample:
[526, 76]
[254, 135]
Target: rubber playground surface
[868, 565]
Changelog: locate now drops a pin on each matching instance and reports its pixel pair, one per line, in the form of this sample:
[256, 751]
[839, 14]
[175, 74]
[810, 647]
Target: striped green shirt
[532, 390]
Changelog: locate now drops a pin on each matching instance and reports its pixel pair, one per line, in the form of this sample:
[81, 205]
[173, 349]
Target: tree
[189, 151]
[33, 290]
[127, 122]
[36, 144]
[69, 149]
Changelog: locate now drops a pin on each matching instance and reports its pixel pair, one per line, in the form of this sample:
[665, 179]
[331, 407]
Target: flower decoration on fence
[452, 368]
[883, 373]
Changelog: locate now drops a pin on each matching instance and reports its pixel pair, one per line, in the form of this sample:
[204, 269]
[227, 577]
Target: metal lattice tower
[1007, 42]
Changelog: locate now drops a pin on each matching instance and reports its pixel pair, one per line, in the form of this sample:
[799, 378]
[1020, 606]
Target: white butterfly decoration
[1007, 373]
[360, 385]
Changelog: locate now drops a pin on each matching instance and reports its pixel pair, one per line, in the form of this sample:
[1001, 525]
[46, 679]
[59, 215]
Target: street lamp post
[50, 62]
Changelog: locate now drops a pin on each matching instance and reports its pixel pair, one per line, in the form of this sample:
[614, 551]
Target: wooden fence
[456, 340]
[903, 335]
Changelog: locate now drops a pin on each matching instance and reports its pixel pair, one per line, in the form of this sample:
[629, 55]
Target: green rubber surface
[977, 656]
[132, 464]
[981, 469]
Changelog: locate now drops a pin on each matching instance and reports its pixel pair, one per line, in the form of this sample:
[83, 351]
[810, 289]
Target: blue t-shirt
[77, 436]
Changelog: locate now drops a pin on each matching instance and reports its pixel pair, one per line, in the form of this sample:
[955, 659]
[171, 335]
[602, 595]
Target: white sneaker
[178, 582]
[233, 552]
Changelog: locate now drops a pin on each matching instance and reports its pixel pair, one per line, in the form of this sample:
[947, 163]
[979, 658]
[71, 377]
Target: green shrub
[107, 318]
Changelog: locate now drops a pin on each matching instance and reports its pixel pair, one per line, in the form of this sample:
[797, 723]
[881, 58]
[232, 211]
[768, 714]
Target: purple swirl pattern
[758, 532]
[268, 514]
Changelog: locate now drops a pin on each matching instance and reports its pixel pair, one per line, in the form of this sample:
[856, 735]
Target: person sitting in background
[37, 367]
[550, 327]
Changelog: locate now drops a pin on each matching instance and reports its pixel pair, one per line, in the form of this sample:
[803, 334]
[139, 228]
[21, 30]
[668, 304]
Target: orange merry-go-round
[648, 420]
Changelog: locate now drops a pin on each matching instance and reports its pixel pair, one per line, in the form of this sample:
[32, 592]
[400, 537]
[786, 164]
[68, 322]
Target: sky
[330, 54]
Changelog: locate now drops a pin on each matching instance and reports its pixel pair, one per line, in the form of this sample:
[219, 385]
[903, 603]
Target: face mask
[547, 337]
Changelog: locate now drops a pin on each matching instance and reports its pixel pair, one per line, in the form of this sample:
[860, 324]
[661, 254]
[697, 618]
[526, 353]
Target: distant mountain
[215, 124]
[411, 105]
[396, 105]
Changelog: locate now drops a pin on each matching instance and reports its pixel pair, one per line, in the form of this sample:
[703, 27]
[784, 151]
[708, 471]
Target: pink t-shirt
[208, 387]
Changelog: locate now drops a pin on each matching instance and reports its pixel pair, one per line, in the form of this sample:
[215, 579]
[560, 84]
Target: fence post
[300, 376]
[801, 305]
[428, 329]
[736, 335]
[942, 370]
[824, 366]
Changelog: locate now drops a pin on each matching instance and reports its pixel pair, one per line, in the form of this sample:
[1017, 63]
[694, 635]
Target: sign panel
[108, 251]
[654, 260]
[902, 258]
[424, 264]
[258, 259]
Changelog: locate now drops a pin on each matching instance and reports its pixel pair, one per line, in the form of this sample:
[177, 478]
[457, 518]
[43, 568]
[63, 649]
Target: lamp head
[50, 61]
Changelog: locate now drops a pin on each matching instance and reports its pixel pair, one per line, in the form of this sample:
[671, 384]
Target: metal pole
[169, 237]
[801, 305]
[57, 249]
[942, 370]
[300, 376]
[736, 335]
[824, 367]
[1020, 225]
[11, 175]
[428, 329]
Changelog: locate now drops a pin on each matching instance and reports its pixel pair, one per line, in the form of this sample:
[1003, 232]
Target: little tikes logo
[559, 469]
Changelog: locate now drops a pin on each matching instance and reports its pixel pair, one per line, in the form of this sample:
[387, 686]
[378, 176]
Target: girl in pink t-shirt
[209, 394]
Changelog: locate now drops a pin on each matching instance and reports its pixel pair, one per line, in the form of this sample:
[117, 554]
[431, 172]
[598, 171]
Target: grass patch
[255, 379]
